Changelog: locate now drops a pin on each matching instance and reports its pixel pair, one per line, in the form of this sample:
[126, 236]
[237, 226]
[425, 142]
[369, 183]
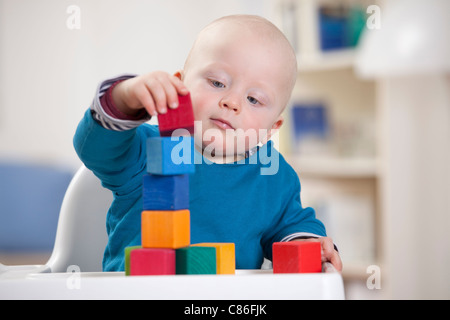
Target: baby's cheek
[201, 110]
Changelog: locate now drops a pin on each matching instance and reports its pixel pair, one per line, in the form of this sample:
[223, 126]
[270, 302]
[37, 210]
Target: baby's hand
[154, 92]
[329, 254]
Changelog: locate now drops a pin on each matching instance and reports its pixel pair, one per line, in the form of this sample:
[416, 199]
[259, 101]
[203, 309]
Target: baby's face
[238, 87]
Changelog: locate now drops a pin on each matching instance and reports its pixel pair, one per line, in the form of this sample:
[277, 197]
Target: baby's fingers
[172, 87]
[330, 254]
[327, 267]
[179, 85]
[158, 94]
[145, 100]
[164, 90]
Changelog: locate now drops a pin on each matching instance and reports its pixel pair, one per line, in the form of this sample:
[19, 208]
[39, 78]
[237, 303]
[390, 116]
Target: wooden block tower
[165, 221]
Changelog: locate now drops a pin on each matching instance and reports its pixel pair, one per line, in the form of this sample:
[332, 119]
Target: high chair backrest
[81, 234]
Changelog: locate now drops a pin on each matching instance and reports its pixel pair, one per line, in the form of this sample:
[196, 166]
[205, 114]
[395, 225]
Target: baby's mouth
[222, 124]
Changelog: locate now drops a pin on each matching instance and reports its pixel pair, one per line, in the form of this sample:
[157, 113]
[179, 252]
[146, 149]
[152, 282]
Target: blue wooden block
[170, 155]
[165, 192]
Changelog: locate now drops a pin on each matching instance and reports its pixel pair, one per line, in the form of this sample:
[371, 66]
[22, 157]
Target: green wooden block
[127, 258]
[196, 260]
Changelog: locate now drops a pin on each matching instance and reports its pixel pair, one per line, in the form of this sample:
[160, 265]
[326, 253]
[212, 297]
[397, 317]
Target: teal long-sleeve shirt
[238, 202]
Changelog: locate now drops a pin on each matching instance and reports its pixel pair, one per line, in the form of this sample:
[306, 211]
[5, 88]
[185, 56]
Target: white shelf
[326, 61]
[335, 167]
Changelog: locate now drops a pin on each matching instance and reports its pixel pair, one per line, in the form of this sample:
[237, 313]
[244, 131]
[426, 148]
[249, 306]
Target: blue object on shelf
[340, 27]
[30, 201]
[333, 29]
[310, 120]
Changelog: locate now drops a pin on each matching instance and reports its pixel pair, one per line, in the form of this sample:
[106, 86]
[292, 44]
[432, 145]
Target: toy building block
[296, 257]
[225, 256]
[127, 258]
[144, 262]
[179, 118]
[165, 192]
[170, 156]
[196, 260]
[166, 229]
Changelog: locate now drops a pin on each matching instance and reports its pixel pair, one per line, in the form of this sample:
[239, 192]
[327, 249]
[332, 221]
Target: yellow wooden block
[166, 229]
[225, 256]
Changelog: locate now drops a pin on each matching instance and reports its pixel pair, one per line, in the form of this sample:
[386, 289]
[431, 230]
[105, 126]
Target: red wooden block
[144, 262]
[296, 257]
[179, 118]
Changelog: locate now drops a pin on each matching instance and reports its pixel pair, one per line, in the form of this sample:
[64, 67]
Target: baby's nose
[231, 104]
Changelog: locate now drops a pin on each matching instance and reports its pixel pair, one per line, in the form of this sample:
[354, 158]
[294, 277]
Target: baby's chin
[219, 149]
[227, 144]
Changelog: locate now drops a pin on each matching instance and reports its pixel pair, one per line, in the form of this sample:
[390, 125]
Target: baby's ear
[275, 127]
[179, 74]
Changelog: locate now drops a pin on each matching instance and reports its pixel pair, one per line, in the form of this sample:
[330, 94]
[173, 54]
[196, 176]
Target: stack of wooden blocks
[165, 223]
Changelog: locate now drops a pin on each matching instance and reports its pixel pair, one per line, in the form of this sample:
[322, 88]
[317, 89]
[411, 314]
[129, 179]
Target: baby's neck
[221, 159]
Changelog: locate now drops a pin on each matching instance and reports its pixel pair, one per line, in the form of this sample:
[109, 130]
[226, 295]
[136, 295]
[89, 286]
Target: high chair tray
[244, 285]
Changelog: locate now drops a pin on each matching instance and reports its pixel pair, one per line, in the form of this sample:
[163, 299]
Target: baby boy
[240, 74]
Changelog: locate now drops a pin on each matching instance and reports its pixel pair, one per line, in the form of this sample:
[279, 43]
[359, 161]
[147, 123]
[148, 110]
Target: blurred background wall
[367, 128]
[49, 71]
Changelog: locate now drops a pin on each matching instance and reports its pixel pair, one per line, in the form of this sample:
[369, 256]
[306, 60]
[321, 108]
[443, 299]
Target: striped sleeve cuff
[106, 120]
[303, 235]
[300, 235]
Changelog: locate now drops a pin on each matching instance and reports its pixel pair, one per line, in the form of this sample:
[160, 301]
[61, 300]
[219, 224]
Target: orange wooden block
[166, 229]
[225, 256]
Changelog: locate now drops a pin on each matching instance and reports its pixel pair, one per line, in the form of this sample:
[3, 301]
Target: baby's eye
[217, 84]
[252, 100]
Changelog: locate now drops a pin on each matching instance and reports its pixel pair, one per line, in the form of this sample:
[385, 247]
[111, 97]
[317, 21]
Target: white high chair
[81, 234]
